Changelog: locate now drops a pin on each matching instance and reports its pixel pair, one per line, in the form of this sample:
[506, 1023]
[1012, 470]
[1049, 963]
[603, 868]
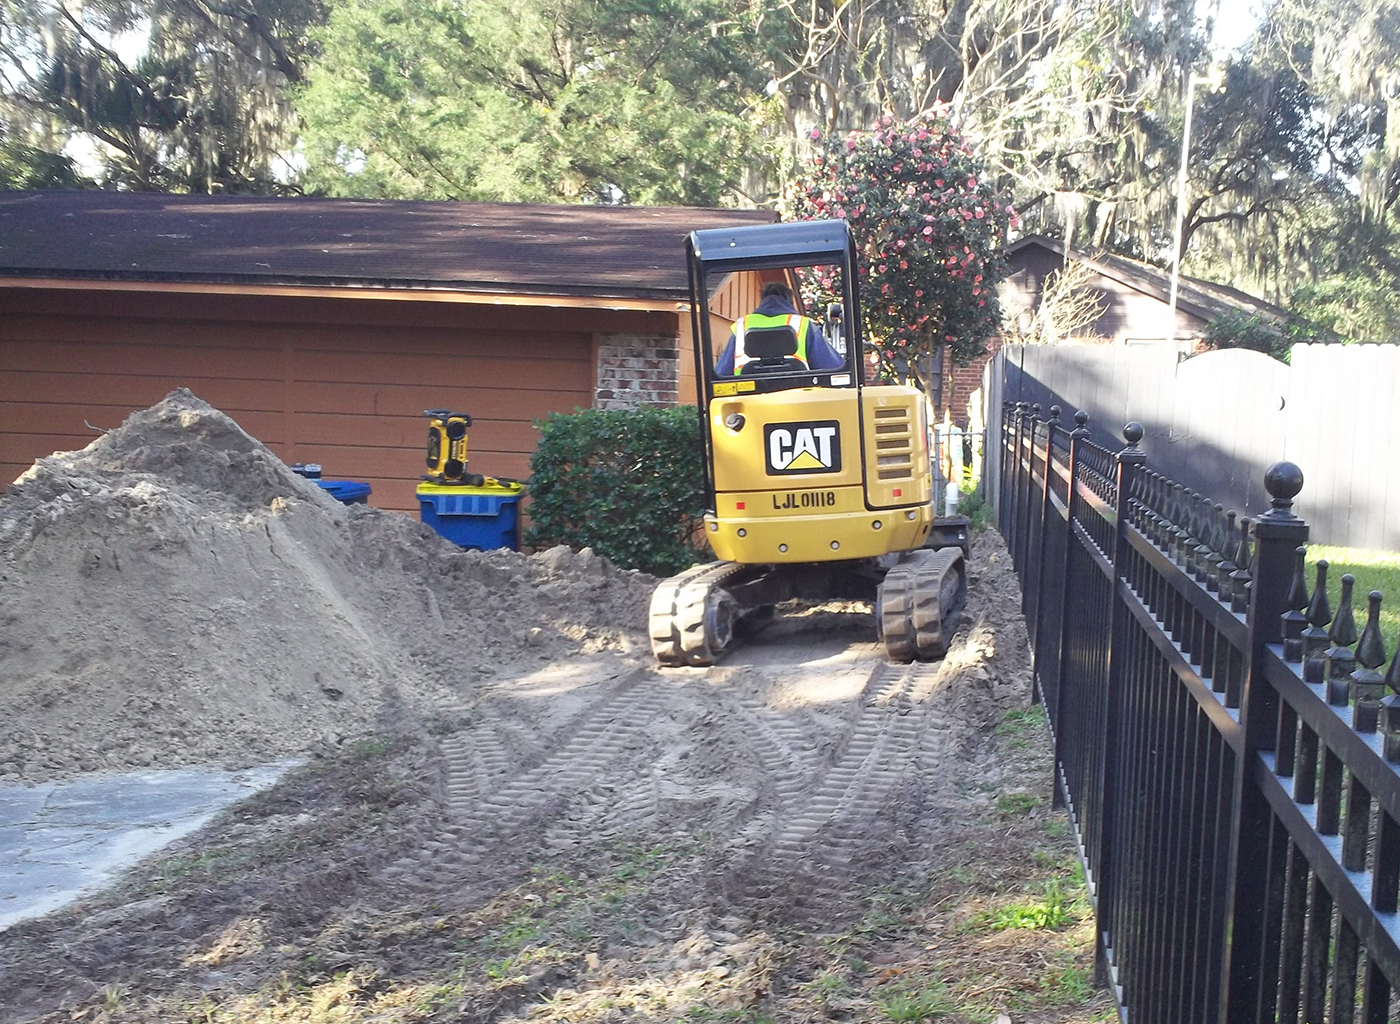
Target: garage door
[339, 382]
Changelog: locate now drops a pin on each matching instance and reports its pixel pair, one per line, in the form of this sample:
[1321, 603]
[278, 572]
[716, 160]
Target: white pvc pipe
[950, 499]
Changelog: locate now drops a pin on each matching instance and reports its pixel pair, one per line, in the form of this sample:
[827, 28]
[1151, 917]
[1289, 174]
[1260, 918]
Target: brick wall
[636, 370]
[959, 382]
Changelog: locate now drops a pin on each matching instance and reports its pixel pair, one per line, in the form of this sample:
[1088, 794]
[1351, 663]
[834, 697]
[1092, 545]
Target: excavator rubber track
[920, 603]
[693, 614]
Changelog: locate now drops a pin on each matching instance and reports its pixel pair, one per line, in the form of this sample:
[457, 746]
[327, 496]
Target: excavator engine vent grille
[894, 444]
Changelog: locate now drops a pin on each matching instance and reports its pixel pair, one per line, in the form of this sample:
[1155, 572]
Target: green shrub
[629, 484]
[1238, 329]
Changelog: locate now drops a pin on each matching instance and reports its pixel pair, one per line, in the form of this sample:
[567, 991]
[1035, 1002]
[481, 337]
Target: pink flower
[928, 232]
[980, 214]
[903, 264]
[816, 133]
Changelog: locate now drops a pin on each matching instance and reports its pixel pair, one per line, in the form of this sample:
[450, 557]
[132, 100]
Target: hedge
[630, 484]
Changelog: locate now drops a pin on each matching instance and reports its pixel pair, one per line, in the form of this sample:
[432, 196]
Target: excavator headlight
[743, 532]
[910, 515]
[836, 545]
[876, 525]
[782, 548]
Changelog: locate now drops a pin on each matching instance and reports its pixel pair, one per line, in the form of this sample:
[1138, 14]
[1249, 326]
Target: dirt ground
[509, 813]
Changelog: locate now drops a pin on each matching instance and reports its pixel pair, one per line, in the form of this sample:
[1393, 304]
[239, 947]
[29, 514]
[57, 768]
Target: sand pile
[174, 594]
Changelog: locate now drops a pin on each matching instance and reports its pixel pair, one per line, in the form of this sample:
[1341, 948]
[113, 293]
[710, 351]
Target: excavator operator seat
[770, 350]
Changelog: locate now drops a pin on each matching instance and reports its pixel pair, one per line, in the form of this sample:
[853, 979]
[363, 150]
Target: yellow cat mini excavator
[820, 485]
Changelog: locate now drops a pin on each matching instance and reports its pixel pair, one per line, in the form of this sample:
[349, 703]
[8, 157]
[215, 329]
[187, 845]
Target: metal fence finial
[1240, 578]
[1227, 568]
[1315, 636]
[1338, 660]
[1390, 710]
[1295, 620]
[1132, 433]
[1283, 481]
[1367, 684]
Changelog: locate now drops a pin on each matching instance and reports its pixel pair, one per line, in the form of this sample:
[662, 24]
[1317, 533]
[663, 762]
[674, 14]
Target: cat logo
[803, 447]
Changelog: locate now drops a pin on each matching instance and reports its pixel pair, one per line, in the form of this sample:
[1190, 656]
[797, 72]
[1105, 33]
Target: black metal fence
[1226, 746]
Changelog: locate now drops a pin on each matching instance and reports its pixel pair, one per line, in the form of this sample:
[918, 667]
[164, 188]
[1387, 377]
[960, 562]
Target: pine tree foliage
[642, 101]
[204, 108]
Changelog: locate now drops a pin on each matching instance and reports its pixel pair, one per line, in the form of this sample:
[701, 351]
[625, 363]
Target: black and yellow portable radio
[447, 448]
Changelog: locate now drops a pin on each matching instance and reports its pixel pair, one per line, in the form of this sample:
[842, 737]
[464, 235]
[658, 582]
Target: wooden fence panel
[1338, 430]
[1216, 421]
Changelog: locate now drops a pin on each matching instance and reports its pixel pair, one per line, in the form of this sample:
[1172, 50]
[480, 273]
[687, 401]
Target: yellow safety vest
[794, 320]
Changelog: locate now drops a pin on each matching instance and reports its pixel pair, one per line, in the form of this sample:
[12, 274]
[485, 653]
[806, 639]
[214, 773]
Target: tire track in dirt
[875, 752]
[489, 802]
[608, 730]
[787, 765]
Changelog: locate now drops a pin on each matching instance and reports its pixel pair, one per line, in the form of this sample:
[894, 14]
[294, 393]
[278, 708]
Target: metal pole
[1180, 207]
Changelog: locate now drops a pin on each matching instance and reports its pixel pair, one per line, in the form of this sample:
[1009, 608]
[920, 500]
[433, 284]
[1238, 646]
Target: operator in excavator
[775, 309]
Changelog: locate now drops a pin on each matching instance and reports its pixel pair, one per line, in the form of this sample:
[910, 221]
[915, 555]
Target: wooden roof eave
[447, 295]
[1144, 285]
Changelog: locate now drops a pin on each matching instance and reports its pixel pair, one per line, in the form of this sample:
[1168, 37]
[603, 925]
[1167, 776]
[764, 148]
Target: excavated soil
[173, 594]
[509, 812]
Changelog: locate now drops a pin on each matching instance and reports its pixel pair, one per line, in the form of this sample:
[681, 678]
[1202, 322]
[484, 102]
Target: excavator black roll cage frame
[724, 251]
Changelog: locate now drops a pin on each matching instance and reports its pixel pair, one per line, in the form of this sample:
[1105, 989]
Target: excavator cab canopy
[815, 257]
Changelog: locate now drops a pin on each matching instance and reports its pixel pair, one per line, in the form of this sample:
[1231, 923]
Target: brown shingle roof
[630, 251]
[1205, 299]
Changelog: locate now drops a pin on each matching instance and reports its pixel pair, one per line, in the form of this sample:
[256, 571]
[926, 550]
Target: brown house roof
[494, 248]
[1204, 299]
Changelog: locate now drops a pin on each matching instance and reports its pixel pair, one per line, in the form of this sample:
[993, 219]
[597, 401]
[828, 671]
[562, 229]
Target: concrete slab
[61, 840]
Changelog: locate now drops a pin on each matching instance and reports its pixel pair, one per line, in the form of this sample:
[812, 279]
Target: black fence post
[1041, 514]
[1010, 416]
[1050, 647]
[1023, 500]
[1131, 463]
[1277, 535]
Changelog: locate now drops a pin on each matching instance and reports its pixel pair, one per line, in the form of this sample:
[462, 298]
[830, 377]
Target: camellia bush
[930, 230]
[630, 484]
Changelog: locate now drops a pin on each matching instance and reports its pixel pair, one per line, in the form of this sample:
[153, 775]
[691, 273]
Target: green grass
[1374, 570]
[1014, 805]
[1055, 907]
[913, 1004]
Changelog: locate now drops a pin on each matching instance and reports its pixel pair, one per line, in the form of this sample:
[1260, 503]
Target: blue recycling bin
[473, 517]
[348, 492]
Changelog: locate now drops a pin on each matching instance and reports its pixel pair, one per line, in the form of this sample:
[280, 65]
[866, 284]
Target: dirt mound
[804, 832]
[174, 594]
